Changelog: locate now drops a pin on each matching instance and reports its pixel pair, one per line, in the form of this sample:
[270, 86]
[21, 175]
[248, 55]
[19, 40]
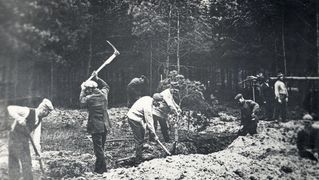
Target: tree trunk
[166, 71]
[177, 50]
[283, 40]
[151, 68]
[317, 18]
[51, 79]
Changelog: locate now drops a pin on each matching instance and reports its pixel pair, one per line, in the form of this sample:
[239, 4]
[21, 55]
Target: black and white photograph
[159, 89]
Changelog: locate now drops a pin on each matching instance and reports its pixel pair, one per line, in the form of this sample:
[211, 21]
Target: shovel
[163, 147]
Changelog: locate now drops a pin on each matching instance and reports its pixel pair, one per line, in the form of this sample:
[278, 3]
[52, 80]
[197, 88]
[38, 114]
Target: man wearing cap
[281, 98]
[140, 117]
[26, 120]
[94, 95]
[161, 113]
[135, 89]
[248, 115]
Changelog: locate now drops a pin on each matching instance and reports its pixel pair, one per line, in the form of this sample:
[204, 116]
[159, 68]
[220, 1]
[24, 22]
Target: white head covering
[90, 83]
[46, 104]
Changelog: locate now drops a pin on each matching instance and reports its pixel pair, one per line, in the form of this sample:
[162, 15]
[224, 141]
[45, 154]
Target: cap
[157, 97]
[174, 84]
[90, 83]
[238, 96]
[47, 104]
[280, 74]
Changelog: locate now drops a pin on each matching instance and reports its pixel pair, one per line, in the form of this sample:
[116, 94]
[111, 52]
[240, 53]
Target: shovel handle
[163, 147]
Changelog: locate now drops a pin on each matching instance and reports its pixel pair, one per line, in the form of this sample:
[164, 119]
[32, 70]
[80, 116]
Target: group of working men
[144, 111]
[141, 115]
[144, 114]
[277, 96]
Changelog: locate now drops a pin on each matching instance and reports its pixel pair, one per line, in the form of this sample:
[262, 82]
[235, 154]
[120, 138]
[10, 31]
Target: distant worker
[161, 113]
[308, 140]
[267, 97]
[26, 121]
[94, 94]
[249, 119]
[140, 118]
[135, 89]
[281, 98]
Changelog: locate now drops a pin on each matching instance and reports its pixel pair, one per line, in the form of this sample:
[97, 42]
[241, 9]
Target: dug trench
[188, 143]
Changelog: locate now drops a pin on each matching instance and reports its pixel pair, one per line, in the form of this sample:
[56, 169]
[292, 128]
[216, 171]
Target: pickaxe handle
[163, 147]
[108, 61]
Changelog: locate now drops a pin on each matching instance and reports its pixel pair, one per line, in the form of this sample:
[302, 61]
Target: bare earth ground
[271, 154]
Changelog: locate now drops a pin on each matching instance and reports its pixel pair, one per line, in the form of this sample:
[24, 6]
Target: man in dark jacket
[267, 97]
[308, 140]
[25, 121]
[248, 115]
[94, 96]
[135, 89]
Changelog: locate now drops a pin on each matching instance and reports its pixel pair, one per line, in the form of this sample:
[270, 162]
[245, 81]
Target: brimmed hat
[238, 96]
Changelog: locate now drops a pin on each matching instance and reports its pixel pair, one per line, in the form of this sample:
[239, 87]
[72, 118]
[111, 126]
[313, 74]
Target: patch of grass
[68, 139]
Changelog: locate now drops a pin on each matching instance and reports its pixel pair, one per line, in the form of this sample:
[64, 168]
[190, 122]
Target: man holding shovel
[248, 112]
[94, 94]
[140, 117]
[161, 113]
[25, 121]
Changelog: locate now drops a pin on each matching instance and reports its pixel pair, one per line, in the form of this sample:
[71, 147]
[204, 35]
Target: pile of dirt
[270, 154]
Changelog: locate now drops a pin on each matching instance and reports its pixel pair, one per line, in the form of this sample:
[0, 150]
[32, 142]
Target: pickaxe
[108, 61]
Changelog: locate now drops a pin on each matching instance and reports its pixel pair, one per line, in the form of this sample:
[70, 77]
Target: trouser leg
[98, 146]
[151, 135]
[283, 107]
[164, 128]
[25, 157]
[138, 132]
[19, 151]
[268, 109]
[252, 127]
[13, 159]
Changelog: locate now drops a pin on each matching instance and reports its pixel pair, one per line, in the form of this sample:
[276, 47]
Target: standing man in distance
[267, 97]
[281, 98]
[135, 89]
[94, 94]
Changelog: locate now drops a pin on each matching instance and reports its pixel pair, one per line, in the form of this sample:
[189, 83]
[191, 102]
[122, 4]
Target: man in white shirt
[140, 117]
[281, 97]
[25, 121]
[161, 113]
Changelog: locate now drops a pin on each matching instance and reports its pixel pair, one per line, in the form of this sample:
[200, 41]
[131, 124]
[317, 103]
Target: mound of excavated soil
[271, 154]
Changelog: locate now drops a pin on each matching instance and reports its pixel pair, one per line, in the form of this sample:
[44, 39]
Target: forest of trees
[49, 47]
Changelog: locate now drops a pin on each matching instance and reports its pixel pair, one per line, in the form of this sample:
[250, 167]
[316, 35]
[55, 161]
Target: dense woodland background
[49, 47]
